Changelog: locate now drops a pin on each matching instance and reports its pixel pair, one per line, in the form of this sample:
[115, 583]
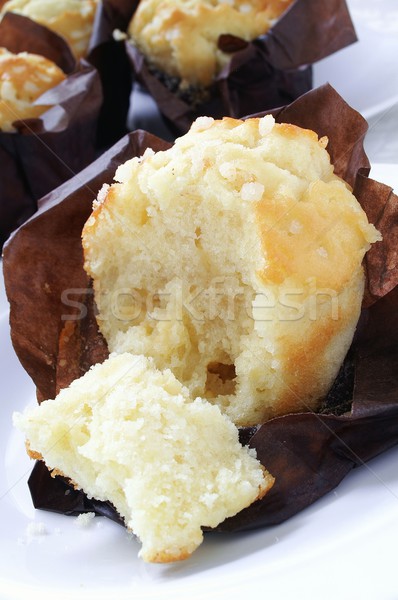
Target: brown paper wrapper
[18, 33]
[308, 453]
[110, 59]
[47, 151]
[271, 71]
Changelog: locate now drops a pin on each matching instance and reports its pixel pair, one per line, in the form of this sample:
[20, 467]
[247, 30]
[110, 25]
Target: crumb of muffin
[84, 520]
[35, 529]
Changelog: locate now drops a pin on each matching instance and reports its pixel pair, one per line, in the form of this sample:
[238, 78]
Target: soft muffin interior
[186, 256]
[128, 433]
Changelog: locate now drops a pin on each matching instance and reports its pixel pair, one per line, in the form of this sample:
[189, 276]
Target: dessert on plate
[228, 278]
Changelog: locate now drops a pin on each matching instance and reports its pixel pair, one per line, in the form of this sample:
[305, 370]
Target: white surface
[366, 73]
[344, 546]
[381, 142]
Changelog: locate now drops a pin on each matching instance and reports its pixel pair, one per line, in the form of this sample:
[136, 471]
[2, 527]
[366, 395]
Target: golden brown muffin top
[234, 258]
[23, 78]
[71, 19]
[179, 37]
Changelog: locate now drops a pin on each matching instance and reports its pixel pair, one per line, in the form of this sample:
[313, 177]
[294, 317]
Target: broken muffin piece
[235, 259]
[128, 433]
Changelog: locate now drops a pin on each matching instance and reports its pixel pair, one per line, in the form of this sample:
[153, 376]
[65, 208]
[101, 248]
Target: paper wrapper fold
[104, 53]
[17, 32]
[46, 151]
[308, 453]
[271, 71]
[110, 59]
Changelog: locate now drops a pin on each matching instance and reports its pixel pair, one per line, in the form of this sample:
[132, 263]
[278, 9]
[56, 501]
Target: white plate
[366, 73]
[344, 546]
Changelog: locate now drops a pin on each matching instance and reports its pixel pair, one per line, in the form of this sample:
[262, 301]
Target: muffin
[308, 453]
[49, 110]
[24, 77]
[128, 433]
[180, 39]
[235, 259]
[71, 19]
[230, 58]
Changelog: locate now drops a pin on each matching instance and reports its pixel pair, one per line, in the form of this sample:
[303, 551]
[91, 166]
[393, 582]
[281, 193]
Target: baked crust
[71, 19]
[24, 77]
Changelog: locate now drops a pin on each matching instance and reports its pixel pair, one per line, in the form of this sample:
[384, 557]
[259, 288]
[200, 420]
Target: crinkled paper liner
[109, 57]
[106, 54]
[308, 453]
[46, 151]
[271, 71]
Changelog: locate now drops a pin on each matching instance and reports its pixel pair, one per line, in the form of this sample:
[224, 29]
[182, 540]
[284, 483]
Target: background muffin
[23, 78]
[180, 38]
[41, 146]
[71, 19]
[202, 58]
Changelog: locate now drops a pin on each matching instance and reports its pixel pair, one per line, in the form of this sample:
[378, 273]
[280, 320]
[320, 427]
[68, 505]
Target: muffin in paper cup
[258, 74]
[72, 20]
[107, 53]
[84, 26]
[38, 154]
[308, 453]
